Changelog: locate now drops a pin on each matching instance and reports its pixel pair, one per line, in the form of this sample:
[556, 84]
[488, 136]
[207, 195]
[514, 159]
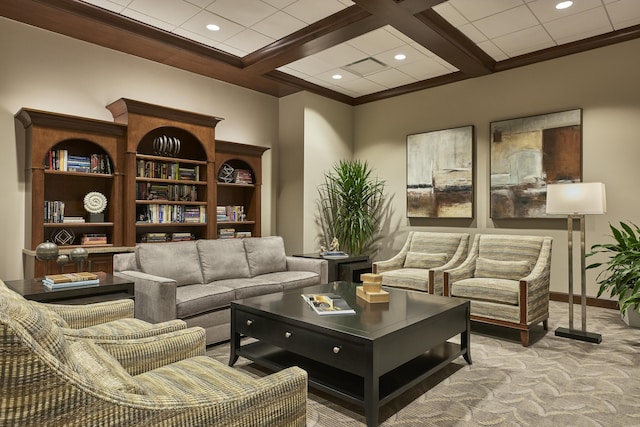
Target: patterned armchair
[50, 378]
[506, 278]
[422, 260]
[106, 320]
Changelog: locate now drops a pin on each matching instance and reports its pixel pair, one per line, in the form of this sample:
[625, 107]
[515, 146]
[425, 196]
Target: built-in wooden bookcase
[158, 168]
[57, 177]
[238, 190]
[172, 149]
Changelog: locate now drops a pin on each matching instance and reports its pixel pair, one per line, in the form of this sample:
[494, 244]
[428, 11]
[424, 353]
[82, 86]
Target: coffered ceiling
[342, 49]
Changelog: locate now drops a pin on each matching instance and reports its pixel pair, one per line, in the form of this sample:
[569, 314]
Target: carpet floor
[553, 382]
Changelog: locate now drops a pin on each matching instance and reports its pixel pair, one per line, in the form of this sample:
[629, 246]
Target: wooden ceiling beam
[433, 32]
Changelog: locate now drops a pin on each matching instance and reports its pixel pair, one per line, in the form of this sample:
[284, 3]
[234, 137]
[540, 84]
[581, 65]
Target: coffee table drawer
[334, 351]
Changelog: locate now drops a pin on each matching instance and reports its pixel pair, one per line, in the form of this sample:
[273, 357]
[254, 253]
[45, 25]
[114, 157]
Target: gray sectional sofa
[196, 281]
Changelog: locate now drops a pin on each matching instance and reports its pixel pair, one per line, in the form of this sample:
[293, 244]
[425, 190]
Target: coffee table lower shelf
[348, 386]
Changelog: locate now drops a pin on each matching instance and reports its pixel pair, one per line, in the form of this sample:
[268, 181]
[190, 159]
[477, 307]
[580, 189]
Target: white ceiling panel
[624, 13]
[525, 41]
[172, 11]
[341, 55]
[506, 22]
[376, 41]
[575, 27]
[546, 11]
[248, 41]
[279, 25]
[391, 78]
[423, 69]
[474, 10]
[311, 11]
[251, 12]
[157, 23]
[198, 25]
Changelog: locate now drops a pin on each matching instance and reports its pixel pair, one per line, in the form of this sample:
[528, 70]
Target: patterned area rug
[554, 382]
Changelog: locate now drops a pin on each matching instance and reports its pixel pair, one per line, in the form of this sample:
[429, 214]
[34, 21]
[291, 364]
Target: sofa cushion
[511, 270]
[500, 291]
[201, 298]
[176, 260]
[265, 254]
[97, 365]
[424, 260]
[222, 259]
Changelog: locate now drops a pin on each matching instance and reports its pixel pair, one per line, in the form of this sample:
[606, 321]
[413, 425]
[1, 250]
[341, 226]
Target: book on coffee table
[328, 304]
[70, 280]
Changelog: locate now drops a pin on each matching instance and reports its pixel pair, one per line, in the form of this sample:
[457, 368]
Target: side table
[336, 263]
[110, 288]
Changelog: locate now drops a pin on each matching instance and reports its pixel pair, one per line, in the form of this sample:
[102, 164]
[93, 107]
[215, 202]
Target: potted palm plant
[621, 276]
[350, 207]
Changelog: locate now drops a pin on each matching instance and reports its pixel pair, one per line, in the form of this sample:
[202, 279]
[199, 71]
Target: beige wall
[315, 133]
[50, 72]
[604, 83]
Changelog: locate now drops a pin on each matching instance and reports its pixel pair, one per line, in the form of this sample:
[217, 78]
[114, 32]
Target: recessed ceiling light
[213, 27]
[400, 56]
[336, 76]
[564, 5]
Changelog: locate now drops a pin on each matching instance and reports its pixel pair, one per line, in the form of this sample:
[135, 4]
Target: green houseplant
[350, 207]
[621, 276]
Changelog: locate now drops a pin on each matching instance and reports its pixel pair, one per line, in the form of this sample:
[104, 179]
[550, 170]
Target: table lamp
[577, 200]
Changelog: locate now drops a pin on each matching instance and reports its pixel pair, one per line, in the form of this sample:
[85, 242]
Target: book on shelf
[243, 234]
[53, 211]
[242, 176]
[93, 239]
[226, 233]
[328, 304]
[70, 277]
[73, 219]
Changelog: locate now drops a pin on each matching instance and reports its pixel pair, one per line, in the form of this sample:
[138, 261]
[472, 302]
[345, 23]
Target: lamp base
[579, 335]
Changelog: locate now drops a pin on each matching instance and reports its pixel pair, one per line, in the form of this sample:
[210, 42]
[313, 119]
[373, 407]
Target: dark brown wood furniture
[367, 358]
[336, 263]
[110, 288]
[128, 148]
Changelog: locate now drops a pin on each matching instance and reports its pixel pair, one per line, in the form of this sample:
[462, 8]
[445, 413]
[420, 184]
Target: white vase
[631, 317]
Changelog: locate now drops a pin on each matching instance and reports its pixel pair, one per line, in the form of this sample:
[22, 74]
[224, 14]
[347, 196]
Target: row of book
[231, 233]
[53, 211]
[242, 176]
[163, 214]
[159, 191]
[230, 213]
[167, 170]
[61, 160]
[167, 237]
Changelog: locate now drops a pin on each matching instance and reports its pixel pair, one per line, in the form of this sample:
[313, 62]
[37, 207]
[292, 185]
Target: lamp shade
[582, 198]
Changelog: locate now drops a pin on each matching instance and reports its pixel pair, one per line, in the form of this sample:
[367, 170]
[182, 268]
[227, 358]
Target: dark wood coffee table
[368, 358]
[110, 288]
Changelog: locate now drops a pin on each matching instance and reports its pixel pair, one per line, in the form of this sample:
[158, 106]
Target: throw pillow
[176, 260]
[423, 260]
[511, 270]
[265, 255]
[100, 367]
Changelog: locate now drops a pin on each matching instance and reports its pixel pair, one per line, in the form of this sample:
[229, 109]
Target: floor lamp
[577, 200]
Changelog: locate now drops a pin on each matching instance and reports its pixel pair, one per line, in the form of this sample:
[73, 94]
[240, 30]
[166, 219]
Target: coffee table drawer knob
[336, 349]
[287, 334]
[249, 322]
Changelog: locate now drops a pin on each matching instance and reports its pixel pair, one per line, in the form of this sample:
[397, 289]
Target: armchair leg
[545, 324]
[524, 338]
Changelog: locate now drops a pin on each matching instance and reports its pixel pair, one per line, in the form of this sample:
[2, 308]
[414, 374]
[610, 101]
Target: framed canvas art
[527, 154]
[440, 173]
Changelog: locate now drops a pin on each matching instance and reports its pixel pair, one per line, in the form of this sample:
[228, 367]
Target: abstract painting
[440, 173]
[527, 154]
